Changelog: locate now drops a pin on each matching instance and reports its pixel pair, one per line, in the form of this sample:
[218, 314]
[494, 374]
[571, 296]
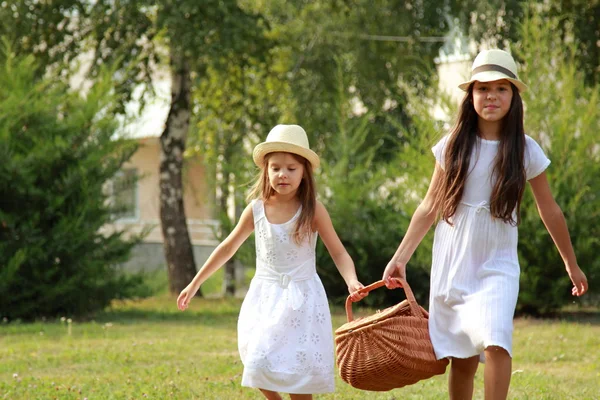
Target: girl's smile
[492, 100]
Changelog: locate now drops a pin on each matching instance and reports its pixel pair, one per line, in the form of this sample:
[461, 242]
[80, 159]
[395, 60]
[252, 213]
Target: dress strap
[258, 210]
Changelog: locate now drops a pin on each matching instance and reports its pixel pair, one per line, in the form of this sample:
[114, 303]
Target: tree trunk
[229, 267]
[178, 247]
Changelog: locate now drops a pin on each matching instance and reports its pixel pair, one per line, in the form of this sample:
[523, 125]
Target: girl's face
[491, 100]
[285, 173]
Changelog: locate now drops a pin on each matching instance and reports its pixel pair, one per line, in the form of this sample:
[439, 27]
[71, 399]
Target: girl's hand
[394, 269]
[185, 297]
[353, 287]
[580, 283]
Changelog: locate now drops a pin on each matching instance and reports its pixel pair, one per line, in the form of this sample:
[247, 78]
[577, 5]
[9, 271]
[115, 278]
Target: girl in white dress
[480, 174]
[284, 329]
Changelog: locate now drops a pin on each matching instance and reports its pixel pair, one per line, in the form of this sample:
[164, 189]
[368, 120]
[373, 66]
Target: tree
[196, 36]
[371, 202]
[213, 41]
[376, 47]
[46, 30]
[499, 23]
[58, 152]
[237, 105]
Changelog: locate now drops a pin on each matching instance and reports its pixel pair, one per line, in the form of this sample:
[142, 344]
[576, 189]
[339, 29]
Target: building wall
[150, 254]
[452, 73]
[150, 257]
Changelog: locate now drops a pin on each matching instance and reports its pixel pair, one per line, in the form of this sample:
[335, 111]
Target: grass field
[148, 349]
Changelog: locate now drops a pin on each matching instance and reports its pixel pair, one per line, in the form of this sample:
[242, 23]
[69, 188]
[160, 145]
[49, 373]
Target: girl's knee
[465, 366]
[496, 352]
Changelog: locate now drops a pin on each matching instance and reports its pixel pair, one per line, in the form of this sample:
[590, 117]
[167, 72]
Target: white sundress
[285, 335]
[475, 268]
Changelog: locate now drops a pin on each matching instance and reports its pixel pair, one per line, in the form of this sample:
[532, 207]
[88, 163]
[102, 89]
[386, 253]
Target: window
[124, 194]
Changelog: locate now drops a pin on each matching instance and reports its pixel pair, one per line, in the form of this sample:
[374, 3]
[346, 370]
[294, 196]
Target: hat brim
[262, 149]
[491, 76]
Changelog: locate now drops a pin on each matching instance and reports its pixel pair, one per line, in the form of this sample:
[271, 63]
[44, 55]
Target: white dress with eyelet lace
[475, 269]
[285, 335]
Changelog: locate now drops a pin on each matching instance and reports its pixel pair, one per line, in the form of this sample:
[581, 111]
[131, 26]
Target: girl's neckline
[488, 141]
[283, 223]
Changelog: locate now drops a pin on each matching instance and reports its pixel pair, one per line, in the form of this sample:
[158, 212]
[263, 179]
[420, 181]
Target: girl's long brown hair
[509, 169]
[307, 194]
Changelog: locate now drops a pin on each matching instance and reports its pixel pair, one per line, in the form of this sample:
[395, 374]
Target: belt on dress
[287, 280]
[484, 205]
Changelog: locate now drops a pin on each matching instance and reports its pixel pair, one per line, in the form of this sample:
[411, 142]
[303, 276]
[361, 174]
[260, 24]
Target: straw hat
[285, 138]
[493, 65]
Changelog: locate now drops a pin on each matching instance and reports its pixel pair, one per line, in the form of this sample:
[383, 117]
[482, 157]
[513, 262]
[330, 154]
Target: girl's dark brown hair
[307, 194]
[509, 170]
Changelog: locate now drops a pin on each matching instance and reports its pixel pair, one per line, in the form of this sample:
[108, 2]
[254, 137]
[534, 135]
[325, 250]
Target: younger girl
[284, 328]
[476, 189]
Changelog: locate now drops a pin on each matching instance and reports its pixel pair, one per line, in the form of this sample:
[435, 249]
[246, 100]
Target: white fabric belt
[287, 280]
[484, 205]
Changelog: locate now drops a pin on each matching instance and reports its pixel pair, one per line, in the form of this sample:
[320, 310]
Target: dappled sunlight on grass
[148, 348]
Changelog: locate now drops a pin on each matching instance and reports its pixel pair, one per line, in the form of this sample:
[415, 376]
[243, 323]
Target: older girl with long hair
[482, 168]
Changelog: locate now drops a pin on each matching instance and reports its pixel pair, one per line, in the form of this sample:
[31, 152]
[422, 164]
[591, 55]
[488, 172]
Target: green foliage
[58, 152]
[122, 33]
[238, 98]
[497, 23]
[563, 114]
[371, 202]
[375, 46]
[48, 30]
[137, 35]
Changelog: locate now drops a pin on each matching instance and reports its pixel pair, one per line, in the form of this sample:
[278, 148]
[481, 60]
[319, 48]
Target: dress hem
[255, 378]
[480, 354]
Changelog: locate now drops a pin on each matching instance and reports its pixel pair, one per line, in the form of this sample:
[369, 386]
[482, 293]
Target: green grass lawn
[149, 349]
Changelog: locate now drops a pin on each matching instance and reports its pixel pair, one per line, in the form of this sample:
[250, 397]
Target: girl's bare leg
[270, 395]
[301, 396]
[462, 375]
[497, 372]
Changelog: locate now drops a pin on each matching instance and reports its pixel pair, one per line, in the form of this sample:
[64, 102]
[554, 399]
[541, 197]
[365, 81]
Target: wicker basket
[388, 350]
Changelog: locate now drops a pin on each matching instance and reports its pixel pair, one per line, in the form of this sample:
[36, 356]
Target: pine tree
[58, 150]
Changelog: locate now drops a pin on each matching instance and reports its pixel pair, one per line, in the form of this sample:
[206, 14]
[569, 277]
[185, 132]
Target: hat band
[493, 67]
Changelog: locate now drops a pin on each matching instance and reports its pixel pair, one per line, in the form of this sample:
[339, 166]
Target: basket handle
[412, 302]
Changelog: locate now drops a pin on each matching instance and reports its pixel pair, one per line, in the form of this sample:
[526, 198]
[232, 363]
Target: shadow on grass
[583, 317]
[131, 316]
[221, 311]
[588, 317]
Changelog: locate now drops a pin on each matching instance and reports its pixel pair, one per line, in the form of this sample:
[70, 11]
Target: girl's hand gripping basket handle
[407, 290]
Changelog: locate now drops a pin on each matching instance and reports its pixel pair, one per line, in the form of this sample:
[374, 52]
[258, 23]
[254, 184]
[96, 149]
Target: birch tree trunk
[177, 245]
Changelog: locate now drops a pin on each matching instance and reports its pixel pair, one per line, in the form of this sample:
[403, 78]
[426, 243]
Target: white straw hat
[285, 138]
[493, 65]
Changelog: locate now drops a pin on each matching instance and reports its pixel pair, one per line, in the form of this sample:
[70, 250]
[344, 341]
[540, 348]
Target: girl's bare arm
[555, 223]
[420, 223]
[336, 249]
[220, 255]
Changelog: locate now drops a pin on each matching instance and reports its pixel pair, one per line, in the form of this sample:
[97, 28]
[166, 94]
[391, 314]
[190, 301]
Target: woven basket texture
[389, 349]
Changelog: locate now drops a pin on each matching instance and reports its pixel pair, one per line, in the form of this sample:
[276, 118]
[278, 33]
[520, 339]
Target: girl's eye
[275, 169]
[292, 169]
